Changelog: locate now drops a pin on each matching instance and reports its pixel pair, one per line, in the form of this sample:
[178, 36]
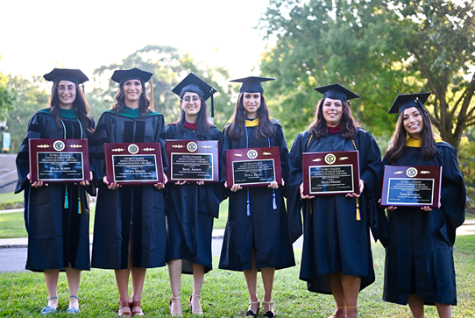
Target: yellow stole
[249, 123]
[417, 143]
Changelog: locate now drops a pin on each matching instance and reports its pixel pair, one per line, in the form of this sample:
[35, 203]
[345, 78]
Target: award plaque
[414, 186]
[134, 163]
[59, 160]
[330, 173]
[253, 167]
[193, 160]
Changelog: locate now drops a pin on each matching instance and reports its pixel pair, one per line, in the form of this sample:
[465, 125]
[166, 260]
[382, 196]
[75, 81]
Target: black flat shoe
[269, 314]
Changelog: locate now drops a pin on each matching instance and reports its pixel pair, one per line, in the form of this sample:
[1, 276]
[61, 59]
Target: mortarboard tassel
[151, 93]
[248, 204]
[274, 203]
[66, 199]
[79, 201]
[358, 217]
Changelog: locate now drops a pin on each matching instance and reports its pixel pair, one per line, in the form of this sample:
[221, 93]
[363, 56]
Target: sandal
[48, 309]
[249, 312]
[124, 309]
[352, 310]
[269, 313]
[191, 307]
[136, 309]
[172, 314]
[73, 310]
[335, 313]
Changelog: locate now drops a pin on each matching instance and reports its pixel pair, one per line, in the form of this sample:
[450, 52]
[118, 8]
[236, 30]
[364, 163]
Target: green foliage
[169, 66]
[32, 96]
[378, 49]
[7, 98]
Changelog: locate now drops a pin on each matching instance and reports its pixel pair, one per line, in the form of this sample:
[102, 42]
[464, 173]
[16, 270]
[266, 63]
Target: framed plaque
[193, 160]
[253, 167]
[330, 173]
[59, 160]
[134, 163]
[414, 186]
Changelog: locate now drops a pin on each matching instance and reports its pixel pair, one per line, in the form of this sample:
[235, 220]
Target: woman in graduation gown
[256, 235]
[419, 255]
[336, 255]
[192, 205]
[130, 229]
[58, 214]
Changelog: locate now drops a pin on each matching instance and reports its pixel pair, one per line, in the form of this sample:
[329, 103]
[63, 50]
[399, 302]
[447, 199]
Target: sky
[38, 35]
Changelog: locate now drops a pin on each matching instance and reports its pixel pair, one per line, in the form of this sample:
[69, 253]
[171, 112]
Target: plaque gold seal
[252, 154]
[192, 146]
[330, 159]
[133, 149]
[411, 172]
[58, 145]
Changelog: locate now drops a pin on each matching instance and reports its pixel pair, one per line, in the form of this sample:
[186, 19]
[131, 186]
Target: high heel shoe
[269, 313]
[352, 310]
[337, 311]
[249, 312]
[191, 307]
[136, 308]
[124, 309]
[176, 314]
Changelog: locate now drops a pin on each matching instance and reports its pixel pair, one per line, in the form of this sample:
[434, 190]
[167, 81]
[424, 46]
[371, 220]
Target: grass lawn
[224, 294]
[11, 201]
[12, 224]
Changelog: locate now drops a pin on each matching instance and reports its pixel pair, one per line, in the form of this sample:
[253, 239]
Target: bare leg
[138, 280]
[416, 304]
[174, 271]
[268, 282]
[444, 310]
[51, 279]
[351, 288]
[198, 276]
[74, 278]
[251, 282]
[334, 279]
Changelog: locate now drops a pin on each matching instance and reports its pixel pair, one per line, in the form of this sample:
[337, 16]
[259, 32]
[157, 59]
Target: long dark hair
[80, 104]
[349, 127]
[236, 128]
[398, 140]
[202, 124]
[144, 102]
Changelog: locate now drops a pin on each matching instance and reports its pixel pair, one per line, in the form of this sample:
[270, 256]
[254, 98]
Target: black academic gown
[334, 241]
[419, 254]
[130, 210]
[192, 209]
[57, 236]
[265, 229]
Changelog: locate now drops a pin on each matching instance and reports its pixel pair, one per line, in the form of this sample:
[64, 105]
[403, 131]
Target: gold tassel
[311, 208]
[358, 217]
[151, 93]
[79, 202]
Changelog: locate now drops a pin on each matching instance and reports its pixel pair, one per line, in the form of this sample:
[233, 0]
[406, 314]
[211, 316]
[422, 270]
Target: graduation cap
[122, 76]
[66, 74]
[336, 91]
[193, 84]
[403, 102]
[252, 84]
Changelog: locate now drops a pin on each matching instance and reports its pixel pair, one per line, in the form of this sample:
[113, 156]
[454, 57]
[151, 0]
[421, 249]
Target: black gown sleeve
[97, 156]
[294, 203]
[453, 193]
[284, 158]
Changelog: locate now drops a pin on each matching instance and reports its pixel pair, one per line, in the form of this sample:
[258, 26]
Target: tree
[32, 96]
[378, 49]
[441, 46]
[169, 66]
[7, 98]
